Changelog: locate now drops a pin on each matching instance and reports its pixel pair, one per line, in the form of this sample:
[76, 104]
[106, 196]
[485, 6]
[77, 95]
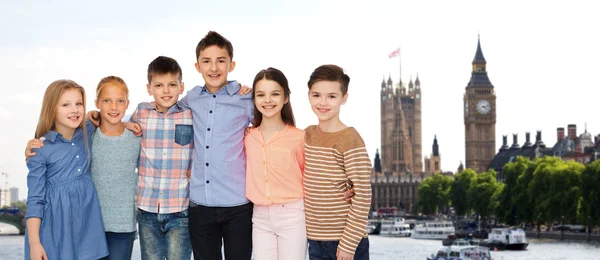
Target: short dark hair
[214, 38]
[164, 65]
[287, 115]
[330, 72]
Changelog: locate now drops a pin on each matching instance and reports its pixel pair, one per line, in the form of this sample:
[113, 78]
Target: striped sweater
[331, 160]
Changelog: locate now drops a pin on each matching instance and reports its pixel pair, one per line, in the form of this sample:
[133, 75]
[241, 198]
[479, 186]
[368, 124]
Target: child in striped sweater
[334, 155]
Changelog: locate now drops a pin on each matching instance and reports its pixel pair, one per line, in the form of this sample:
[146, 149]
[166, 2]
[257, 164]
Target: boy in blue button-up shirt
[219, 210]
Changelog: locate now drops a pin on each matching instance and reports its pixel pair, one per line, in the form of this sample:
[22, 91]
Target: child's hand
[37, 252]
[341, 255]
[349, 194]
[32, 144]
[244, 90]
[248, 130]
[134, 127]
[94, 117]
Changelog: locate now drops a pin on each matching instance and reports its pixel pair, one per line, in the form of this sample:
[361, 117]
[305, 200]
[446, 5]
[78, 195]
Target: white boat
[6, 229]
[462, 252]
[508, 238]
[373, 227]
[433, 230]
[395, 227]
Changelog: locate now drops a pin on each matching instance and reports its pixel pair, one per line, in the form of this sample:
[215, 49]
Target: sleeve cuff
[35, 209]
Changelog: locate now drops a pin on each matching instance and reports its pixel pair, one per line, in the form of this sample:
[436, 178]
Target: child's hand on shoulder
[244, 90]
[37, 252]
[94, 117]
[133, 127]
[32, 144]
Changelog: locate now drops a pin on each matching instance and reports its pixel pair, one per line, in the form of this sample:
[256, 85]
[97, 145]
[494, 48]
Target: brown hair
[164, 65]
[330, 73]
[287, 115]
[111, 80]
[214, 38]
[51, 98]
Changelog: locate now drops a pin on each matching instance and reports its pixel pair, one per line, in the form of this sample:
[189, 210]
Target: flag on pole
[395, 53]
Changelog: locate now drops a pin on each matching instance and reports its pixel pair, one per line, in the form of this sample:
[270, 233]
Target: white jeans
[279, 231]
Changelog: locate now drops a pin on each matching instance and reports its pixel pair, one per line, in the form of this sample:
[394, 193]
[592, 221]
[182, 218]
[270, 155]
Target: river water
[390, 248]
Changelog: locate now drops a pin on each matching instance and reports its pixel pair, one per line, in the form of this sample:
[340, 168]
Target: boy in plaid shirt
[165, 157]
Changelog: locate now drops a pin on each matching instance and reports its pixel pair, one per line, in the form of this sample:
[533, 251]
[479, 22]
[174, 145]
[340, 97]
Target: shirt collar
[173, 109]
[231, 88]
[53, 135]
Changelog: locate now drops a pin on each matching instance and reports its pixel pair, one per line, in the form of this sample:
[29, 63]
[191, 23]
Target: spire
[435, 146]
[479, 75]
[479, 54]
[389, 82]
[377, 163]
[417, 82]
[383, 82]
[410, 83]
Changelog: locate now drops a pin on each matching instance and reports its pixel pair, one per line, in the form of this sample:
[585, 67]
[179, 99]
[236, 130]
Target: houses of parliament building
[399, 169]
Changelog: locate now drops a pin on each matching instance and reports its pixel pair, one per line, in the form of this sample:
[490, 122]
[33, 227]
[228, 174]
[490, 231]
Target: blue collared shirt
[219, 165]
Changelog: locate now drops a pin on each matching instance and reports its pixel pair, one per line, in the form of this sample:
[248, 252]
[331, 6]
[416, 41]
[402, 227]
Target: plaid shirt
[165, 157]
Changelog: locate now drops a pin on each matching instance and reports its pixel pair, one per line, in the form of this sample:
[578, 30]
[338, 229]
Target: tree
[590, 191]
[458, 192]
[555, 189]
[434, 193]
[507, 207]
[483, 193]
[21, 205]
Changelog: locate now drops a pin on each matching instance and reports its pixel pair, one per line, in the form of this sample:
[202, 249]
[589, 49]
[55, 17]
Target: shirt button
[208, 129]
[214, 96]
[77, 156]
[206, 164]
[161, 193]
[210, 112]
[72, 144]
[78, 170]
[207, 147]
[207, 181]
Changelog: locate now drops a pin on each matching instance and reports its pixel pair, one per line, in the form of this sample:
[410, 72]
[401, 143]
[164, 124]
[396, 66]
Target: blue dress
[62, 194]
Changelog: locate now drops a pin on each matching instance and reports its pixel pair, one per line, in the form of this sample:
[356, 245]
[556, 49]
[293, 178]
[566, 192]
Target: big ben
[480, 116]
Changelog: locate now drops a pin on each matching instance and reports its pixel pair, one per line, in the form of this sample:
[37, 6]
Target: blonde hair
[49, 105]
[111, 80]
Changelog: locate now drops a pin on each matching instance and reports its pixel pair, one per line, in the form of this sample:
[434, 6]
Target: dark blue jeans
[326, 250]
[120, 245]
[164, 235]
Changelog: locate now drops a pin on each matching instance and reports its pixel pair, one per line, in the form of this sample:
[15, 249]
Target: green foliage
[22, 206]
[458, 192]
[483, 194]
[434, 193]
[590, 191]
[508, 197]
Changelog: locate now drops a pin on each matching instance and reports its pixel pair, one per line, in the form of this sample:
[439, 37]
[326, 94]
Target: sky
[542, 58]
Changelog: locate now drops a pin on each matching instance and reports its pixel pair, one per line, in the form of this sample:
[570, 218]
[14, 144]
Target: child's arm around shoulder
[358, 170]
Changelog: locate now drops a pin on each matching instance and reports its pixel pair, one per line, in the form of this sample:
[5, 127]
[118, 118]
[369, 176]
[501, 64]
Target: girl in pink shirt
[275, 165]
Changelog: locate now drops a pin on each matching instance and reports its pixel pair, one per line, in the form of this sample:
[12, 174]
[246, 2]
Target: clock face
[483, 106]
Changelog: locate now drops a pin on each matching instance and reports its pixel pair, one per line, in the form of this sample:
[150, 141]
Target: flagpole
[400, 65]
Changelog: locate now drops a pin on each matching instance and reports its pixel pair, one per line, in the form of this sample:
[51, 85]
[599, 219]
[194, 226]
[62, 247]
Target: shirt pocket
[280, 158]
[183, 134]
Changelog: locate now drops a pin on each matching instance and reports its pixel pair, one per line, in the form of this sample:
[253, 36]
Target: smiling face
[69, 112]
[269, 98]
[112, 102]
[326, 99]
[165, 89]
[214, 63]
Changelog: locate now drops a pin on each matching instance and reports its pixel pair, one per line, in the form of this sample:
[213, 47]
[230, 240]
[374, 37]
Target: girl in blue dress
[63, 213]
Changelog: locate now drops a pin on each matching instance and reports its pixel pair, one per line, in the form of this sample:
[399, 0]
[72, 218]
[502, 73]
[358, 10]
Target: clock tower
[479, 116]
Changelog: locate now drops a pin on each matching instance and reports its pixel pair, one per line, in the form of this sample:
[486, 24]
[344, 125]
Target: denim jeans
[212, 227]
[326, 250]
[120, 245]
[164, 236]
